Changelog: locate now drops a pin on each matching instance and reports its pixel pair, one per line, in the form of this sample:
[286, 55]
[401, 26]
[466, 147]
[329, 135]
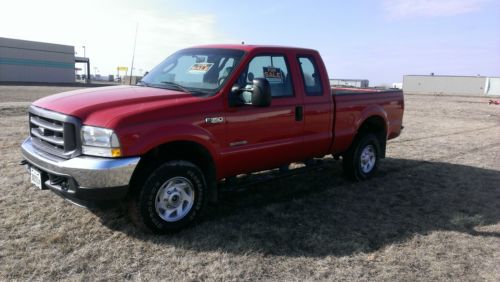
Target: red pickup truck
[205, 114]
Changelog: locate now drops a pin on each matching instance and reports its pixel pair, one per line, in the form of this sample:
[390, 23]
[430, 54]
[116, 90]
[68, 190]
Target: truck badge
[214, 120]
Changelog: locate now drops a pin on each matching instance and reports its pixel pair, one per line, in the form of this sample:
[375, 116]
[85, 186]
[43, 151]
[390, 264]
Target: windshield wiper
[178, 86]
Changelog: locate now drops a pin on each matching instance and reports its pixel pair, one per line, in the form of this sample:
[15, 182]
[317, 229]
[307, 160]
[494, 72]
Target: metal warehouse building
[29, 61]
[452, 85]
[361, 83]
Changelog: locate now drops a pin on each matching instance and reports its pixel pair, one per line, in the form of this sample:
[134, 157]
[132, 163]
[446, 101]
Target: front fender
[136, 144]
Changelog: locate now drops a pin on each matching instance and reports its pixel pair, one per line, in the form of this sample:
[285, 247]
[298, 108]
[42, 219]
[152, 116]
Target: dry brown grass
[432, 213]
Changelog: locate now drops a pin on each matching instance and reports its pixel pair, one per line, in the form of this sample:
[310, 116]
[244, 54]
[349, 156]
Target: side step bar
[245, 181]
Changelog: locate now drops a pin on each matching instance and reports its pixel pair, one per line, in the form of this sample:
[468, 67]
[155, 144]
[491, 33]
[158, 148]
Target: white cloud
[397, 9]
[107, 29]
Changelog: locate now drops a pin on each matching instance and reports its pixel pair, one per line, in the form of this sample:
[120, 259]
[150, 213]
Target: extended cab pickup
[202, 116]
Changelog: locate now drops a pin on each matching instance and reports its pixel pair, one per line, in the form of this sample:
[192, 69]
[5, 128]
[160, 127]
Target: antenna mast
[133, 54]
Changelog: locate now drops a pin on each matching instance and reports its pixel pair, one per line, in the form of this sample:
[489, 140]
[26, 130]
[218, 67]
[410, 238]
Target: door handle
[299, 113]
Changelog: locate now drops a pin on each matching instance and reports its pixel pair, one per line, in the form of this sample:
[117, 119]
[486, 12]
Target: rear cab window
[311, 76]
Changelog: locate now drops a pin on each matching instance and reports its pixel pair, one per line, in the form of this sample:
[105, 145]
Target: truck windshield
[194, 70]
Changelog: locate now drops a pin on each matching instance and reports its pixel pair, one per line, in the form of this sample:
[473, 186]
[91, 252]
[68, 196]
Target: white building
[451, 85]
[360, 83]
[397, 85]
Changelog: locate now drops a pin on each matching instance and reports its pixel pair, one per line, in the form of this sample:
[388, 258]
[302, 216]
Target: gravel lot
[432, 213]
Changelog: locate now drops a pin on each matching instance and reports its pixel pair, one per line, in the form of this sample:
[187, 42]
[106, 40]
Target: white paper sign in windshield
[200, 67]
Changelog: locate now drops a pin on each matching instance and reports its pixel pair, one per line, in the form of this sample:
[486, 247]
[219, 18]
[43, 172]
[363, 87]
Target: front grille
[54, 133]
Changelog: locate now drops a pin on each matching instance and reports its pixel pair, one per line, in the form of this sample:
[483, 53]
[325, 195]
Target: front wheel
[171, 198]
[361, 161]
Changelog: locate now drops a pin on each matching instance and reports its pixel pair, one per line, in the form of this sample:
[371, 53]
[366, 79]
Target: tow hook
[23, 162]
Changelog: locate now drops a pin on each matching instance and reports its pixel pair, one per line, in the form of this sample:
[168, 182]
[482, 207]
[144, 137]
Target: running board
[244, 181]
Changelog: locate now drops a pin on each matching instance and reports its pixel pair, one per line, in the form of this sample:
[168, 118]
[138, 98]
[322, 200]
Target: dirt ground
[432, 213]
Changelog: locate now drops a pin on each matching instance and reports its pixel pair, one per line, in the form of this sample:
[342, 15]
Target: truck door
[318, 106]
[264, 137]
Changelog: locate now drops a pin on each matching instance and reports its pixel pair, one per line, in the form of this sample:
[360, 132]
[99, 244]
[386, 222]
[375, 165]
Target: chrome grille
[48, 131]
[54, 133]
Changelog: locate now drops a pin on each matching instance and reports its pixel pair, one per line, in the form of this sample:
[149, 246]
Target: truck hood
[99, 106]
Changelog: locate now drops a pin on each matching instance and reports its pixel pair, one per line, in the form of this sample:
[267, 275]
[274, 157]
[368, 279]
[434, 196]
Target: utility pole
[87, 75]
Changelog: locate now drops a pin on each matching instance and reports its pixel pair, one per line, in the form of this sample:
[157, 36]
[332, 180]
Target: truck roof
[249, 48]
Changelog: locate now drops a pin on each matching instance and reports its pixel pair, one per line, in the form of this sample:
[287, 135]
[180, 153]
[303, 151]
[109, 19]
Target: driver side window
[274, 68]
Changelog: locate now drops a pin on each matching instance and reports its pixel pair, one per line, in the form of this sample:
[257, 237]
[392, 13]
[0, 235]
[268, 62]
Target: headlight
[99, 141]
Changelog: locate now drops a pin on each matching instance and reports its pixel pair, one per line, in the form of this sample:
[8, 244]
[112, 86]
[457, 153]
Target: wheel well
[178, 150]
[375, 125]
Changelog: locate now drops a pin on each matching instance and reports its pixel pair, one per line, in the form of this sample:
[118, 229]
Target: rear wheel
[171, 198]
[360, 162]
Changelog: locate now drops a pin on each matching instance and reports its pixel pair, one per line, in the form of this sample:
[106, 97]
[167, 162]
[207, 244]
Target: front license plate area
[36, 177]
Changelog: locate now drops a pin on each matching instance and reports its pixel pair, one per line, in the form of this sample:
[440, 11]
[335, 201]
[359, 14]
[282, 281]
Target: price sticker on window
[273, 74]
[200, 67]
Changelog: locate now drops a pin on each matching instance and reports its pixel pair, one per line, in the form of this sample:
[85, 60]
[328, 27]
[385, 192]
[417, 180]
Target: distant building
[135, 79]
[397, 85]
[451, 85]
[30, 61]
[360, 83]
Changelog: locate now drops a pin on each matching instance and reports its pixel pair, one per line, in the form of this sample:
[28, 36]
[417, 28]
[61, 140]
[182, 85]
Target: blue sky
[380, 40]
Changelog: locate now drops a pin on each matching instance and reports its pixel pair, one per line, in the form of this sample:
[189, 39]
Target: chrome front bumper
[88, 172]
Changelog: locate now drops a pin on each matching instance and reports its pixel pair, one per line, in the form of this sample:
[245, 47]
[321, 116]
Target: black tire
[144, 205]
[354, 167]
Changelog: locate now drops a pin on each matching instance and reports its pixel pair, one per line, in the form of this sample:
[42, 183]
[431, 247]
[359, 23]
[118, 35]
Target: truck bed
[354, 104]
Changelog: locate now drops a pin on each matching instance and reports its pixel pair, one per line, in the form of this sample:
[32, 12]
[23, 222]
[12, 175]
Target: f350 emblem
[214, 120]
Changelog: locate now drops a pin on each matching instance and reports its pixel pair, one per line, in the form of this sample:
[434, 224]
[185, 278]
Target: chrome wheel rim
[368, 159]
[174, 199]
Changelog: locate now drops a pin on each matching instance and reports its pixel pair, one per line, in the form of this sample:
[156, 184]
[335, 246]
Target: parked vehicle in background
[203, 115]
